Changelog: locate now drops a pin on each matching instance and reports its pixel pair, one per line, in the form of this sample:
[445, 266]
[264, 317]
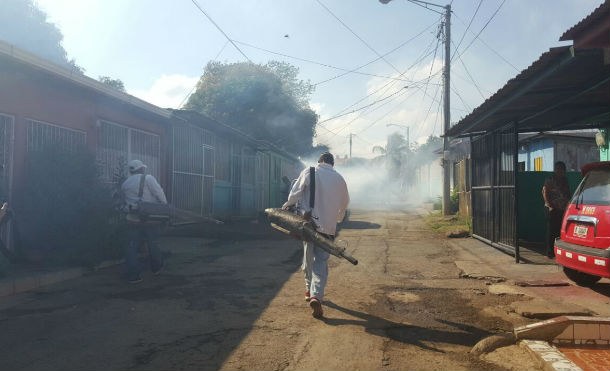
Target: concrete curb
[539, 339]
[17, 285]
[549, 358]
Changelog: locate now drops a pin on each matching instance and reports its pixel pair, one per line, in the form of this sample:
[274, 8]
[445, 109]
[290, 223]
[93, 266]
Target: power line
[467, 29]
[365, 113]
[378, 58]
[388, 85]
[363, 107]
[374, 109]
[195, 86]
[470, 76]
[220, 29]
[382, 117]
[482, 29]
[358, 37]
[489, 46]
[453, 89]
[315, 62]
[425, 5]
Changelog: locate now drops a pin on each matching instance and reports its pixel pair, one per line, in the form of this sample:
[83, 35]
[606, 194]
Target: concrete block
[604, 332]
[23, 284]
[7, 288]
[548, 357]
[586, 331]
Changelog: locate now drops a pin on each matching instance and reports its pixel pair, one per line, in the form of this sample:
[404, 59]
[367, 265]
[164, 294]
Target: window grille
[42, 135]
[117, 145]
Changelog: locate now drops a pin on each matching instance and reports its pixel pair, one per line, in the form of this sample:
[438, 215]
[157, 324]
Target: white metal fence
[117, 144]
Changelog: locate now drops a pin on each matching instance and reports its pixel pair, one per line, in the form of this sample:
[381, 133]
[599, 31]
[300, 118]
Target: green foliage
[448, 224]
[26, 26]
[454, 201]
[268, 102]
[113, 83]
[65, 214]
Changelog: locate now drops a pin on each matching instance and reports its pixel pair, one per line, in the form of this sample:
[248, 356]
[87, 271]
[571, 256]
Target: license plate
[580, 231]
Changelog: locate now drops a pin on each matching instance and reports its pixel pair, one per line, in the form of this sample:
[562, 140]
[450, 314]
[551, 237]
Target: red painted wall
[28, 93]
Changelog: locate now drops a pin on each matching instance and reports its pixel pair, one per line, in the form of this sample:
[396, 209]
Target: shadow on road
[191, 317]
[602, 288]
[408, 334]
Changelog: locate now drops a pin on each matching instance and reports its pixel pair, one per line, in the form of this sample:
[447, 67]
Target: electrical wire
[220, 29]
[378, 58]
[426, 7]
[489, 46]
[470, 76]
[315, 62]
[358, 37]
[482, 29]
[453, 89]
[467, 29]
[195, 86]
[361, 108]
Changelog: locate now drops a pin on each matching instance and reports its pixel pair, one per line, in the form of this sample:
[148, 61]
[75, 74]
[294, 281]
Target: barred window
[117, 144]
[42, 136]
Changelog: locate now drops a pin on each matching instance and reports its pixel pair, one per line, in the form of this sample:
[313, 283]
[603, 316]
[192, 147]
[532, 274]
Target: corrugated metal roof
[599, 13]
[534, 97]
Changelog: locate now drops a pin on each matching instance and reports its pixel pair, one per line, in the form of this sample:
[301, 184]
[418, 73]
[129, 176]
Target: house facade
[539, 152]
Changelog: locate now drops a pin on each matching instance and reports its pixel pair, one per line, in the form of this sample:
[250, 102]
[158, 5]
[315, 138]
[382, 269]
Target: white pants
[315, 269]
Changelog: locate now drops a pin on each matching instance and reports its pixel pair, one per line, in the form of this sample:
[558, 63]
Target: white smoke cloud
[168, 91]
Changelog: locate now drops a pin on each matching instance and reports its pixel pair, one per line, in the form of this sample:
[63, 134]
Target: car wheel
[580, 278]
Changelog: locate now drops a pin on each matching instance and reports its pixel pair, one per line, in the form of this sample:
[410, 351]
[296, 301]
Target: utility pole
[350, 145]
[446, 86]
[447, 112]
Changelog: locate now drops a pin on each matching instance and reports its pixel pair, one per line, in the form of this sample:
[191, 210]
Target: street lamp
[446, 89]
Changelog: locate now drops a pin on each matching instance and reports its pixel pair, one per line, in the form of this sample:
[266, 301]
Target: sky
[159, 48]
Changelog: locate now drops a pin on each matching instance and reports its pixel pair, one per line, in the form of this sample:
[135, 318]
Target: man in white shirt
[330, 203]
[139, 232]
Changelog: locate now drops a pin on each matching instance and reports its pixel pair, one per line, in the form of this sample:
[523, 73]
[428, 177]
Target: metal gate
[193, 169]
[494, 162]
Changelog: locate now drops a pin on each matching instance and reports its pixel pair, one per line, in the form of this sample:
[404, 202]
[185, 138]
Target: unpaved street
[239, 304]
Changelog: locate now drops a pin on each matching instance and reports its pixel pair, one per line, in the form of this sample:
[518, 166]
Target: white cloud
[168, 91]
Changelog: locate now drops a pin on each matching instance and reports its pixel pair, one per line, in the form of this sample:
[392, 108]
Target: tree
[26, 26]
[267, 101]
[114, 83]
[394, 154]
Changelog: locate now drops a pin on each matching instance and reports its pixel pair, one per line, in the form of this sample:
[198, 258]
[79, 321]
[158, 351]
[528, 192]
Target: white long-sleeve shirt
[331, 195]
[152, 191]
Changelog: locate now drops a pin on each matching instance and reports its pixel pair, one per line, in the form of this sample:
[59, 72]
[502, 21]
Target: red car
[584, 247]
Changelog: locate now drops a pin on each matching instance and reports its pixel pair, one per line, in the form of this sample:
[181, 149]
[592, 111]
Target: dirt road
[239, 304]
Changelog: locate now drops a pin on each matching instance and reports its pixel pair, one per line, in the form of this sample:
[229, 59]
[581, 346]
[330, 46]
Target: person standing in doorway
[330, 200]
[556, 194]
[140, 186]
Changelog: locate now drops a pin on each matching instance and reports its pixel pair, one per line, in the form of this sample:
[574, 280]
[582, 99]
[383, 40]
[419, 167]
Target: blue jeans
[137, 235]
[315, 268]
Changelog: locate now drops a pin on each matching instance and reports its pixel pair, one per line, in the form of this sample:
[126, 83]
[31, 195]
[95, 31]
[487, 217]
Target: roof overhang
[593, 31]
[77, 78]
[565, 89]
